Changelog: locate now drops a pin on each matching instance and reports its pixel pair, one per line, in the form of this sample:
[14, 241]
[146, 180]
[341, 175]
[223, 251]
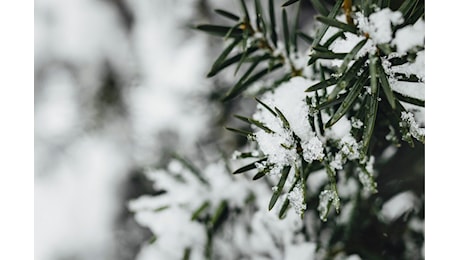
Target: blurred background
[118, 84]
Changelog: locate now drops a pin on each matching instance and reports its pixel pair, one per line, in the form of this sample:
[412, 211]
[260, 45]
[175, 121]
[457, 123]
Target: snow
[296, 199]
[326, 198]
[295, 110]
[378, 25]
[82, 160]
[339, 130]
[79, 171]
[350, 147]
[192, 192]
[270, 145]
[58, 113]
[349, 150]
[174, 230]
[313, 150]
[416, 67]
[269, 230]
[388, 153]
[398, 205]
[171, 76]
[410, 89]
[414, 129]
[68, 217]
[337, 161]
[356, 123]
[377, 28]
[346, 45]
[366, 176]
[68, 33]
[306, 250]
[183, 196]
[280, 146]
[172, 238]
[346, 187]
[409, 37]
[316, 180]
[345, 213]
[417, 111]
[236, 155]
[366, 181]
[417, 225]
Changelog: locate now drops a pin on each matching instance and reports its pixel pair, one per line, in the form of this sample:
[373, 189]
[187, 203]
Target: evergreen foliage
[337, 108]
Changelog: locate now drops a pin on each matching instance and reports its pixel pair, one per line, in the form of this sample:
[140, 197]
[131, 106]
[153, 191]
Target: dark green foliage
[248, 167]
[322, 30]
[217, 67]
[320, 7]
[290, 2]
[227, 14]
[334, 23]
[360, 88]
[347, 102]
[279, 187]
[222, 31]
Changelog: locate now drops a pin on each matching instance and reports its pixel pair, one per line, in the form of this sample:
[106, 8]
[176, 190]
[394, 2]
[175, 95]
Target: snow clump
[282, 144]
[287, 143]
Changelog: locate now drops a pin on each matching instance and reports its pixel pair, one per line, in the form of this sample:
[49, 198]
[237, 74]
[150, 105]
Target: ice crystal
[313, 150]
[356, 123]
[365, 181]
[368, 90]
[408, 121]
[366, 177]
[337, 162]
[387, 67]
[297, 200]
[370, 164]
[350, 148]
[326, 198]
